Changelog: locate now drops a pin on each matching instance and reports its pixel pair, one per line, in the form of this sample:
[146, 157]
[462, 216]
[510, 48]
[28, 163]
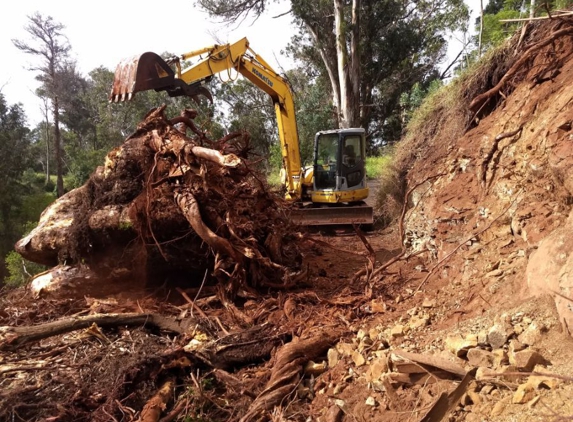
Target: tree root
[151, 412]
[480, 100]
[286, 374]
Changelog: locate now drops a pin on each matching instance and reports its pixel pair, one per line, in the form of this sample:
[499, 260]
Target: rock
[531, 335]
[313, 368]
[418, 322]
[512, 373]
[374, 333]
[487, 389]
[376, 369]
[474, 397]
[345, 349]
[397, 331]
[515, 346]
[398, 299]
[333, 357]
[524, 393]
[429, 303]
[479, 357]
[543, 381]
[500, 358]
[498, 335]
[339, 388]
[340, 403]
[334, 413]
[378, 306]
[482, 338]
[526, 360]
[499, 407]
[358, 359]
[459, 345]
[484, 374]
[370, 401]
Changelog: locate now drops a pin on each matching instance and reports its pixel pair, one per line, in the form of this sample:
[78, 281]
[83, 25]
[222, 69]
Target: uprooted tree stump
[168, 205]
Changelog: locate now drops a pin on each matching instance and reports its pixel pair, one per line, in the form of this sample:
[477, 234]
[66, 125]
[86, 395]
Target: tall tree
[370, 50]
[14, 143]
[51, 48]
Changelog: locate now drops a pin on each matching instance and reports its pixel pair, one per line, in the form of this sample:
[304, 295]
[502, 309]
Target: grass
[377, 166]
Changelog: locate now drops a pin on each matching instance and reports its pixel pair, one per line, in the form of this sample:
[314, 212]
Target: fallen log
[11, 338]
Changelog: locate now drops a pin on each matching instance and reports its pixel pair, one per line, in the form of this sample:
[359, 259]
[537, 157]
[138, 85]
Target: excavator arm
[150, 71]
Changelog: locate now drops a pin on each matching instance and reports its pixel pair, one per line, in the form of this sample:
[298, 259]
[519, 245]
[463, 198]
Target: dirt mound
[487, 198]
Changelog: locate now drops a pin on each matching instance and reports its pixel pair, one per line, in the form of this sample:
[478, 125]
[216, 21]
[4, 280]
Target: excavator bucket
[326, 216]
[150, 71]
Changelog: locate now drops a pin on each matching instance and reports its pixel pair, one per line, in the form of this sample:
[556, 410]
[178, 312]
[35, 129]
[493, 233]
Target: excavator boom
[150, 71]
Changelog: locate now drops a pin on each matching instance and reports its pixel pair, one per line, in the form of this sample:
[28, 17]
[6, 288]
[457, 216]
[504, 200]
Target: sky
[102, 33]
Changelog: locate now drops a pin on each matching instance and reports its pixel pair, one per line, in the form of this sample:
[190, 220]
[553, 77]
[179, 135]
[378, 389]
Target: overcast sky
[104, 32]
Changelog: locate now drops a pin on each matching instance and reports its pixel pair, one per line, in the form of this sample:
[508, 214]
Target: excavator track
[332, 215]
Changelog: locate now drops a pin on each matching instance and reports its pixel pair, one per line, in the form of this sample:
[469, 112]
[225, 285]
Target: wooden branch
[227, 160]
[11, 338]
[493, 149]
[539, 18]
[151, 412]
[478, 101]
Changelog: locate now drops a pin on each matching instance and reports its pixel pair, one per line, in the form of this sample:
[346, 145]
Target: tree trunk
[532, 9]
[480, 27]
[348, 65]
[58, 147]
[330, 65]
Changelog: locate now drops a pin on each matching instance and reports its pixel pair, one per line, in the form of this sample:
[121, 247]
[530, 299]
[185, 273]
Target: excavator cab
[339, 174]
[339, 181]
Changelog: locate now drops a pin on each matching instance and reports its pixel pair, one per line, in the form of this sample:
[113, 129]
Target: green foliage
[378, 165]
[495, 32]
[20, 270]
[275, 165]
[412, 100]
[83, 163]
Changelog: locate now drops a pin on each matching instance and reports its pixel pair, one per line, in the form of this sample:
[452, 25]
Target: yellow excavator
[331, 191]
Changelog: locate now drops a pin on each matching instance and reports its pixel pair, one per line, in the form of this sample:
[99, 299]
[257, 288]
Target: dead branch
[227, 160]
[539, 18]
[478, 101]
[11, 338]
[151, 412]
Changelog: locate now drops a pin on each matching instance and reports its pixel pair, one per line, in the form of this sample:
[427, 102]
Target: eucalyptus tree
[51, 49]
[370, 51]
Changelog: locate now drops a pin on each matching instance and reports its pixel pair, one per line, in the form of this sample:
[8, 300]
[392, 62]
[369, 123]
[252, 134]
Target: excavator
[330, 192]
